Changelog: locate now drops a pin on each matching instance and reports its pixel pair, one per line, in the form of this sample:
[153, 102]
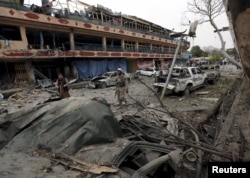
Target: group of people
[121, 86]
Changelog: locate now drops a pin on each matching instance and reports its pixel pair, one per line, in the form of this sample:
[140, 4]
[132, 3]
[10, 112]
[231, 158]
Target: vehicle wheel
[103, 85]
[205, 83]
[186, 92]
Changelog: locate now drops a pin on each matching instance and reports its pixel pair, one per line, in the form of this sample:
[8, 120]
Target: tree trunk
[222, 50]
[242, 32]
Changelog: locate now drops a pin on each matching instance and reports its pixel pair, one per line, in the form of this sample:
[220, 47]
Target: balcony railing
[99, 47]
[16, 6]
[61, 13]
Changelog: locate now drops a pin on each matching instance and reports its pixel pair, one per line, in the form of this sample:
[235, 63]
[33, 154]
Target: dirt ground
[220, 112]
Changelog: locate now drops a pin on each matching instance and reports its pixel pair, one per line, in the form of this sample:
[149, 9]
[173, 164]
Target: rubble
[148, 136]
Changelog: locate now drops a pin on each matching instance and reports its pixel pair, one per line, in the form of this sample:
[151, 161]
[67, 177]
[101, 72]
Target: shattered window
[193, 71]
[113, 74]
[198, 71]
[8, 32]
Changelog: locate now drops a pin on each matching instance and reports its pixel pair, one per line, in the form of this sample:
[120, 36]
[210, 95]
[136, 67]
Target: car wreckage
[183, 79]
[105, 80]
[212, 71]
[96, 143]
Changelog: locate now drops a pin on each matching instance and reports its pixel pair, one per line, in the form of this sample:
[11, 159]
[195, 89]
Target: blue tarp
[93, 67]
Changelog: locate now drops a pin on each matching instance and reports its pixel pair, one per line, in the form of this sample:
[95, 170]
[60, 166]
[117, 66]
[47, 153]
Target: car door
[195, 77]
[112, 78]
[143, 72]
[149, 71]
[199, 76]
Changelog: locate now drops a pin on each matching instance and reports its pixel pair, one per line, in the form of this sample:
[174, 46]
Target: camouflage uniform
[121, 88]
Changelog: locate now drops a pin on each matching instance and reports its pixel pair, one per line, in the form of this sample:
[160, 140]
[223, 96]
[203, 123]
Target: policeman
[121, 86]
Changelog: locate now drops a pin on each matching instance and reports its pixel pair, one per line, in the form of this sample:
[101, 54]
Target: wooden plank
[191, 108]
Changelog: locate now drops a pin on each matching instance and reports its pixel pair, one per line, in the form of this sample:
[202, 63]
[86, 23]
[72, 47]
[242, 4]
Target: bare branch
[209, 10]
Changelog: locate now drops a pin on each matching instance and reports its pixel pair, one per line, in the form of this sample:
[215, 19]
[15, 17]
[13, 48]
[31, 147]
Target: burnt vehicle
[105, 80]
[212, 71]
[183, 79]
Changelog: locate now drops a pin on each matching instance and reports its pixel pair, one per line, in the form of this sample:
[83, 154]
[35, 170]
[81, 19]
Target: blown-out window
[9, 32]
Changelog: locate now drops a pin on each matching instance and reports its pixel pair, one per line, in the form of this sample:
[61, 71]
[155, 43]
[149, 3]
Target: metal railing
[83, 18]
[99, 47]
[13, 5]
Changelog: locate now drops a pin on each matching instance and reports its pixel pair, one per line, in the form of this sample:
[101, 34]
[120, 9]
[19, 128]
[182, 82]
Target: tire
[103, 85]
[186, 92]
[205, 83]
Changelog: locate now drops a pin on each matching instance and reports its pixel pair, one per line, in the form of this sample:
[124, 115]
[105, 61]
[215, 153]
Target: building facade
[47, 40]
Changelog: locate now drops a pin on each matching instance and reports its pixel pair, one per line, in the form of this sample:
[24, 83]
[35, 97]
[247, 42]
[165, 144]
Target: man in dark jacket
[62, 86]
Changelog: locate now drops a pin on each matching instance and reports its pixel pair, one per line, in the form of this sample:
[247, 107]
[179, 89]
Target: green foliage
[215, 57]
[198, 52]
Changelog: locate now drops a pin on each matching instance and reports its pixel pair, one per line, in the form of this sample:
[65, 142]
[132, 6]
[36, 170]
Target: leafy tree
[209, 10]
[196, 51]
[204, 53]
[215, 57]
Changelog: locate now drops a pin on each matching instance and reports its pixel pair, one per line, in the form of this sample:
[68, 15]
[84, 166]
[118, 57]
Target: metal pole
[171, 68]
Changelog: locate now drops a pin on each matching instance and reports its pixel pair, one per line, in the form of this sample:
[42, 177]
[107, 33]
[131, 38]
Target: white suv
[185, 79]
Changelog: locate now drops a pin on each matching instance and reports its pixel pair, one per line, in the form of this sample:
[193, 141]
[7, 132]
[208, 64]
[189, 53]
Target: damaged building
[40, 41]
[88, 134]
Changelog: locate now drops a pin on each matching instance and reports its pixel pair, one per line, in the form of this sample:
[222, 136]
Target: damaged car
[105, 80]
[149, 71]
[212, 71]
[183, 79]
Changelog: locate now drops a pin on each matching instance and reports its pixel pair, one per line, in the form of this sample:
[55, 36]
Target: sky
[168, 14]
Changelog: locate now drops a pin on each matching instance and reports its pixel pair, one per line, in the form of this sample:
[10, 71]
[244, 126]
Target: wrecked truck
[71, 133]
[212, 71]
[182, 80]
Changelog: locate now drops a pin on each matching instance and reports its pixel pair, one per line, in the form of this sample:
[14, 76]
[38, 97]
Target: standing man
[62, 86]
[121, 86]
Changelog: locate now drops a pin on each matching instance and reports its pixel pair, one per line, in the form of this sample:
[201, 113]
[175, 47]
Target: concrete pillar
[123, 44]
[136, 46]
[30, 71]
[23, 35]
[104, 43]
[72, 40]
[102, 17]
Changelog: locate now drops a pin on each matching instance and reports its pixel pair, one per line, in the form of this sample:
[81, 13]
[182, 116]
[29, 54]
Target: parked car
[105, 80]
[149, 71]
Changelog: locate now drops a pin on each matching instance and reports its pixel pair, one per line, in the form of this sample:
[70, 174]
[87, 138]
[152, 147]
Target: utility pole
[172, 66]
[191, 33]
